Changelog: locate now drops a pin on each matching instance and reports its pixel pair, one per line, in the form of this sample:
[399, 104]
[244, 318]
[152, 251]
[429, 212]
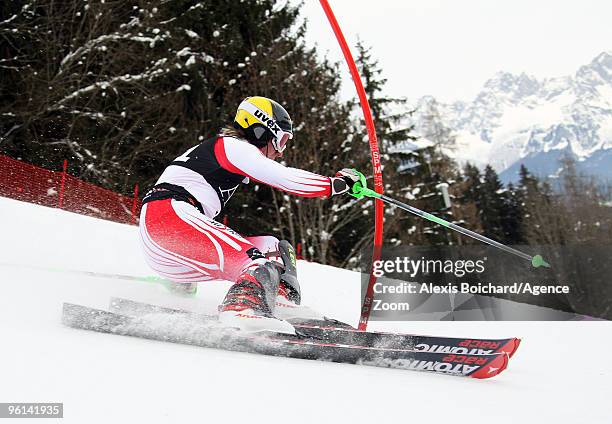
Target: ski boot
[249, 303]
[289, 296]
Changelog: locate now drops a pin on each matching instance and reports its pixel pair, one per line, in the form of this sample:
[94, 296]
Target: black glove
[344, 181]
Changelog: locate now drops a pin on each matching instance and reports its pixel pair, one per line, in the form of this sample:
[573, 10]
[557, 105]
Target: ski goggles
[280, 136]
[280, 144]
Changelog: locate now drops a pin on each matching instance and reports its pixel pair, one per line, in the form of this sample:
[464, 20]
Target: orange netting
[29, 183]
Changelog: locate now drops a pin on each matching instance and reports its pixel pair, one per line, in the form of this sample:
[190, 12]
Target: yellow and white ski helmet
[264, 120]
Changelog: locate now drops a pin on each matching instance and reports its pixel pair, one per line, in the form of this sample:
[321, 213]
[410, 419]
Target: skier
[182, 241]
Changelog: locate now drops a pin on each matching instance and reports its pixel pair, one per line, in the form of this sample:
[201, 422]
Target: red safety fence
[29, 183]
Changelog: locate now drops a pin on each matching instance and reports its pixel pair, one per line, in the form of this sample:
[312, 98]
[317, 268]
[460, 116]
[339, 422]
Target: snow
[6, 21]
[518, 116]
[184, 52]
[191, 33]
[149, 73]
[106, 378]
[190, 61]
[471, 148]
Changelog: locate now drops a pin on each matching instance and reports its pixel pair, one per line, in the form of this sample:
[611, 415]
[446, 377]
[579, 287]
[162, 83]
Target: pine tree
[467, 191]
[472, 179]
[544, 217]
[491, 205]
[390, 114]
[414, 169]
[527, 191]
[498, 209]
[512, 216]
[391, 118]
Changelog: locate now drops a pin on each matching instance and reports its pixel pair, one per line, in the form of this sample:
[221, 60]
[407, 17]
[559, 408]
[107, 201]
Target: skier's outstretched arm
[243, 158]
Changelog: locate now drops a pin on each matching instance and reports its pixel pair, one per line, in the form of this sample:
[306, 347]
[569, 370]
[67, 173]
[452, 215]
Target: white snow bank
[105, 378]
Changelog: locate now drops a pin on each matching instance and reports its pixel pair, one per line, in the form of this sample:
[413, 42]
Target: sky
[450, 48]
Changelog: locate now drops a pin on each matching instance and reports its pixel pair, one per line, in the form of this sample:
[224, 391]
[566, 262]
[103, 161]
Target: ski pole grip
[360, 188]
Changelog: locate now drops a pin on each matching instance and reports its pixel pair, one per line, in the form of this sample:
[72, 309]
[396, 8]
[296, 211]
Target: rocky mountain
[520, 119]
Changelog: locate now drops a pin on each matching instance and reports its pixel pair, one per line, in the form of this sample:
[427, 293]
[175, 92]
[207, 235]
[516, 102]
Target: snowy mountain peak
[518, 86]
[520, 119]
[602, 64]
[596, 73]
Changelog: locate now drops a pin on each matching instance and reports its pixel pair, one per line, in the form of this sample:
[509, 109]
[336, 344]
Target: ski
[335, 332]
[189, 329]
[421, 343]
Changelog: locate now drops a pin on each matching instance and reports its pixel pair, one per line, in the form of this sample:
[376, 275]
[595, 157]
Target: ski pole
[145, 279]
[360, 190]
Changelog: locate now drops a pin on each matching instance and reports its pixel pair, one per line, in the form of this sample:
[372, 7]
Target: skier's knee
[265, 244]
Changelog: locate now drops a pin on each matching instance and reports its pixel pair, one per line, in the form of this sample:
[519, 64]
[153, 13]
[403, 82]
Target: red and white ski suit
[181, 240]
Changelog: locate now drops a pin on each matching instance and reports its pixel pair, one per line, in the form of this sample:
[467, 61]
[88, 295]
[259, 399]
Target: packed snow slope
[561, 373]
